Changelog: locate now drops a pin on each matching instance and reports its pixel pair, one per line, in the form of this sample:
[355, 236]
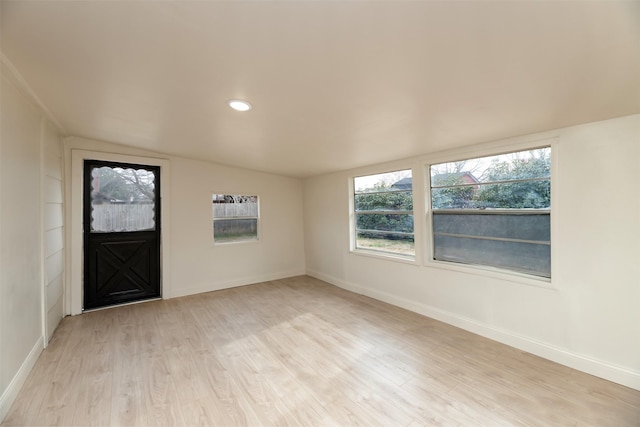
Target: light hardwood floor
[299, 352]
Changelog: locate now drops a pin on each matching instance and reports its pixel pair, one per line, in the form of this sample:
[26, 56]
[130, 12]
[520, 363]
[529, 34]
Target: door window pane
[122, 199]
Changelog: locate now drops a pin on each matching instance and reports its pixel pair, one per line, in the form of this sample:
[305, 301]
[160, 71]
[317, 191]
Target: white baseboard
[217, 286]
[598, 368]
[9, 395]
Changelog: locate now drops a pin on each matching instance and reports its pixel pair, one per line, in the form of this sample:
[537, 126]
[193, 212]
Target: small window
[383, 213]
[494, 211]
[235, 218]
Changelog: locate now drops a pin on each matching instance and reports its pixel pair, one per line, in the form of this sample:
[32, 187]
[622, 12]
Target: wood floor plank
[226, 396]
[297, 352]
[91, 408]
[160, 392]
[300, 403]
[128, 405]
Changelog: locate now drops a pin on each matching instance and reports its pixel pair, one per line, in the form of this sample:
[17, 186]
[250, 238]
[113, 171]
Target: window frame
[353, 214]
[258, 237]
[488, 270]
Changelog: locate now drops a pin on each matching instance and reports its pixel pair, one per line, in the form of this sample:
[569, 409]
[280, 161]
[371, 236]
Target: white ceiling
[335, 85]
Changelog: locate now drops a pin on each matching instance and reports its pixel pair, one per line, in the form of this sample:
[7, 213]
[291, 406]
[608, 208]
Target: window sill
[493, 272]
[389, 256]
[239, 242]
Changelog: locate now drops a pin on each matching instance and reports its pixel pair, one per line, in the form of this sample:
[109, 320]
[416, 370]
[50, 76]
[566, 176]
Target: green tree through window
[494, 211]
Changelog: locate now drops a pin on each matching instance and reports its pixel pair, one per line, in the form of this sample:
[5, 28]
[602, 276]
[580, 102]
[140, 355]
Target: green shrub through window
[383, 213]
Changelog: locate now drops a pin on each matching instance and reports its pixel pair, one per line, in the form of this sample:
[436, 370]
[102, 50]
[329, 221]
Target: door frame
[74, 282]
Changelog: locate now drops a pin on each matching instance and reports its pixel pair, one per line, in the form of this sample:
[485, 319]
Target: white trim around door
[74, 216]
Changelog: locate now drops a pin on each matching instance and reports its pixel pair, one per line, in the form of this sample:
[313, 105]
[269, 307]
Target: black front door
[121, 233]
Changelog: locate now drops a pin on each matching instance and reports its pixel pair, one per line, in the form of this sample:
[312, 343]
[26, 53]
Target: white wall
[194, 264]
[198, 265]
[587, 317]
[31, 244]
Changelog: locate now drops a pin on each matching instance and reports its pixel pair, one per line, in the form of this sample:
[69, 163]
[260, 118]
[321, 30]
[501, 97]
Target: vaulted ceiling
[334, 84]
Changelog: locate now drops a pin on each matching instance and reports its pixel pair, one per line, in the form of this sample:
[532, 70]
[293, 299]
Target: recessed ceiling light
[239, 105]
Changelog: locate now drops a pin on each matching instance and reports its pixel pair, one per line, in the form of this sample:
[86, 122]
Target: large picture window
[235, 218]
[383, 213]
[494, 211]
